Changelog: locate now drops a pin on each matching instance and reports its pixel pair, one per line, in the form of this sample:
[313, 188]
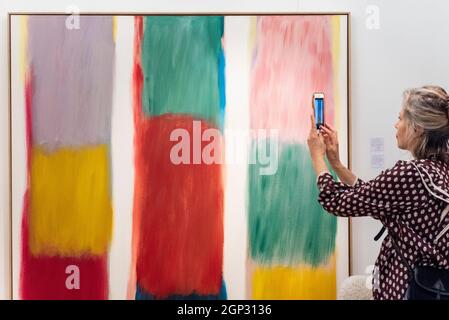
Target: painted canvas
[67, 210]
[178, 207]
[165, 156]
[292, 240]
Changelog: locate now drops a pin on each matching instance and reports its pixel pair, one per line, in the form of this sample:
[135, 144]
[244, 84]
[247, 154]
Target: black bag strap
[380, 233]
[412, 273]
[396, 247]
[399, 251]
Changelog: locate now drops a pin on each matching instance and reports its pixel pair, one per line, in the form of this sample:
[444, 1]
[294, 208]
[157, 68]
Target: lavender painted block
[73, 74]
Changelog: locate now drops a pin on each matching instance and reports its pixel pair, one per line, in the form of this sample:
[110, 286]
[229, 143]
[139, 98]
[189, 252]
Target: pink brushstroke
[292, 60]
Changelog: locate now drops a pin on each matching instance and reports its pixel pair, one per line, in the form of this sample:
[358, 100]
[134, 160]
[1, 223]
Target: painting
[165, 156]
[178, 78]
[291, 239]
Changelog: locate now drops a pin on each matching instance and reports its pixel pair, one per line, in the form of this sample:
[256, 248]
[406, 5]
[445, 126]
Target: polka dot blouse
[409, 199]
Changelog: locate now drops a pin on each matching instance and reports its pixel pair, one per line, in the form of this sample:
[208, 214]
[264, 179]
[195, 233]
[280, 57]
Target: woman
[409, 199]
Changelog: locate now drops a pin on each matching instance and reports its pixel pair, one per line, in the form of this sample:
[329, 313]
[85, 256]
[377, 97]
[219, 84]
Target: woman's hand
[331, 141]
[315, 141]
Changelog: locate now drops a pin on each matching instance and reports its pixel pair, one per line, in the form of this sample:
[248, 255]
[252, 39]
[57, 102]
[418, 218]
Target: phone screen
[319, 110]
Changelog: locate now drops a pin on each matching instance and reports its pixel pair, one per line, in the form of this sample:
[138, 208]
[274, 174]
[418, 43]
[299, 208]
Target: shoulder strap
[380, 233]
[396, 247]
[398, 250]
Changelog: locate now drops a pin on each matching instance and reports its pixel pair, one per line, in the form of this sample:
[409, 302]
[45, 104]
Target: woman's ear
[418, 131]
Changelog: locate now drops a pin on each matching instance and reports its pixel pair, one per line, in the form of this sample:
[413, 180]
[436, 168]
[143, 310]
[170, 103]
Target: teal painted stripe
[286, 223]
[183, 66]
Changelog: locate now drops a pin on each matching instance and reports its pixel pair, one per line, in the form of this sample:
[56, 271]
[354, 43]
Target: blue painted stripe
[141, 294]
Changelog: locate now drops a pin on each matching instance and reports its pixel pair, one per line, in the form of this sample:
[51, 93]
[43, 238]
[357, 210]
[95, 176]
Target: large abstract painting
[165, 156]
[292, 240]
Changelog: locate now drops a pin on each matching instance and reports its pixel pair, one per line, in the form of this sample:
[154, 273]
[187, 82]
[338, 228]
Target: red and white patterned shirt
[409, 200]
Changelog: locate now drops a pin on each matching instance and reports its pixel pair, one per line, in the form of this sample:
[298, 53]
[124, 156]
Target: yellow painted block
[70, 202]
[294, 283]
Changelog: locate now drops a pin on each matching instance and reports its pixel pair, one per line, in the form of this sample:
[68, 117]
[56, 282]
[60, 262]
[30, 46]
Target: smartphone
[318, 108]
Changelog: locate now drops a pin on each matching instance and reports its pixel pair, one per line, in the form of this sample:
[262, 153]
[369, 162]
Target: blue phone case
[319, 112]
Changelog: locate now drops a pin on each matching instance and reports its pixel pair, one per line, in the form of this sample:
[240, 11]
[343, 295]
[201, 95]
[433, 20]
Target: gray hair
[428, 108]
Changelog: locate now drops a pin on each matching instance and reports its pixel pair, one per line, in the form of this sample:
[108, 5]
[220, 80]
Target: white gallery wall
[394, 45]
